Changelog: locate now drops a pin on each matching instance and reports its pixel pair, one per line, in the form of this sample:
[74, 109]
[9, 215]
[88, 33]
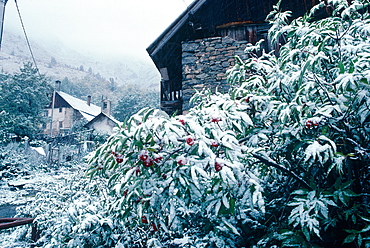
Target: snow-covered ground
[16, 193]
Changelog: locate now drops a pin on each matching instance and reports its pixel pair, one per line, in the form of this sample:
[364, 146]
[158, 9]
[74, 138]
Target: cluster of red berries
[143, 156]
[118, 157]
[148, 161]
[311, 124]
[182, 121]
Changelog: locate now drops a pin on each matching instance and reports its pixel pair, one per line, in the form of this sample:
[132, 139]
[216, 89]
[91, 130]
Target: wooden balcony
[171, 99]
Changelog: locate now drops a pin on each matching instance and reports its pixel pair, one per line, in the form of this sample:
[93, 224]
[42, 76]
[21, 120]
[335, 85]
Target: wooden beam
[6, 223]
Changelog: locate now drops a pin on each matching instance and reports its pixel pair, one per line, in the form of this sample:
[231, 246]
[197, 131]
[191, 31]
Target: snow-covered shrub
[312, 104]
[233, 165]
[16, 161]
[72, 211]
[183, 177]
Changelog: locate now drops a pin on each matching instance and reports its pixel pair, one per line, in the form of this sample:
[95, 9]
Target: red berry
[125, 192]
[309, 124]
[190, 141]
[138, 199]
[181, 160]
[216, 119]
[144, 219]
[143, 155]
[119, 159]
[154, 227]
[164, 176]
[158, 158]
[247, 100]
[218, 166]
[149, 162]
[182, 121]
[137, 170]
[215, 144]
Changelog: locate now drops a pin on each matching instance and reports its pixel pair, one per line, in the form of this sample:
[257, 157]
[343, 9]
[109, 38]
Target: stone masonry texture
[205, 62]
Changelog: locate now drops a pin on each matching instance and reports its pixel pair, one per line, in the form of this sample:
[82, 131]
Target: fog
[97, 28]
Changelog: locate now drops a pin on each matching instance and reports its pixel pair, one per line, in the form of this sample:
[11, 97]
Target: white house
[66, 111]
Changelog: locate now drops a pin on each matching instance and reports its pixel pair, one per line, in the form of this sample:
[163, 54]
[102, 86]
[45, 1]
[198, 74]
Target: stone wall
[205, 62]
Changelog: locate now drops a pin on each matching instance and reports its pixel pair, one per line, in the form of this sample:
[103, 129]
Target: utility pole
[2, 13]
[57, 88]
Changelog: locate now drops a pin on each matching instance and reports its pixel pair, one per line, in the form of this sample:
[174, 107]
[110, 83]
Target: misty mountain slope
[58, 62]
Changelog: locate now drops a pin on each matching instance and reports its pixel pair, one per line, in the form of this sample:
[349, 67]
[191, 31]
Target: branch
[357, 145]
[323, 88]
[269, 162]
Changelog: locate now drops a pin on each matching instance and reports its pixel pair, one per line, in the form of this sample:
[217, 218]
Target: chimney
[57, 85]
[106, 107]
[88, 100]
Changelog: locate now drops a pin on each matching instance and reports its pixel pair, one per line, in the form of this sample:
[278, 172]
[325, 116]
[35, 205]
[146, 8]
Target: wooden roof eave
[240, 24]
[169, 32]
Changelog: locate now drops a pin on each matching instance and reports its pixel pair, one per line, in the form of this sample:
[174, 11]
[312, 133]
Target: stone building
[204, 63]
[199, 46]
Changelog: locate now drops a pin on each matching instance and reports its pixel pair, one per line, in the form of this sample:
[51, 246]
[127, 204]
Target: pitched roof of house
[87, 111]
[103, 115]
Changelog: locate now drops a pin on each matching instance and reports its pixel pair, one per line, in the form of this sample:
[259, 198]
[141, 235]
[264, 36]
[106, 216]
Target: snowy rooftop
[88, 111]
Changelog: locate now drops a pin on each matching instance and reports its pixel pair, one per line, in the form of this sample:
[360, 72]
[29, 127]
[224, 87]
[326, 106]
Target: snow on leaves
[200, 156]
[309, 208]
[200, 171]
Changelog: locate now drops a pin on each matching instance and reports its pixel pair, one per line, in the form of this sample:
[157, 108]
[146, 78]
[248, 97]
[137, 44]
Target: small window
[46, 113]
[61, 124]
[105, 105]
[43, 125]
[60, 110]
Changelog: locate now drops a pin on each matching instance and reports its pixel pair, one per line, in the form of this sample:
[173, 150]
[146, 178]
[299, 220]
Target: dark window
[61, 124]
[60, 110]
[46, 113]
[105, 105]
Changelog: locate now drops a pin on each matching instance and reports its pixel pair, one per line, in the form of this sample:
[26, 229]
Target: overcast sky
[102, 27]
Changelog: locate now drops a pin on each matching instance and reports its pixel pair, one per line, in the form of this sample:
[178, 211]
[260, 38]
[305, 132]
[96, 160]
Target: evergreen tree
[23, 99]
